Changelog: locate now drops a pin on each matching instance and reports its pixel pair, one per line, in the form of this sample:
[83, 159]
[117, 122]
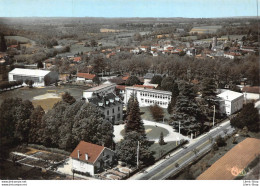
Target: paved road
[185, 156]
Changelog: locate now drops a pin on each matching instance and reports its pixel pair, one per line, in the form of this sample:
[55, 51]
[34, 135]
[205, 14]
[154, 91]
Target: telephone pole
[179, 127]
[214, 115]
[137, 159]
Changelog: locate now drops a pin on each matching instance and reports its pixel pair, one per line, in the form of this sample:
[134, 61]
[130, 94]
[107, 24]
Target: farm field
[233, 162]
[205, 29]
[20, 39]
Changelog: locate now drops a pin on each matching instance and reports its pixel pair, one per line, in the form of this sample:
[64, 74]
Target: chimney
[78, 154]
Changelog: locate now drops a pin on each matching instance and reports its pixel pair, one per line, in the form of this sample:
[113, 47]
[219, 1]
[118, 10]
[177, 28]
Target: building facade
[231, 102]
[91, 158]
[147, 97]
[38, 76]
[110, 106]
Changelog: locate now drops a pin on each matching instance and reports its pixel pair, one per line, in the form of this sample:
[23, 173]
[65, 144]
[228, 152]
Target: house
[38, 76]
[144, 48]
[85, 77]
[91, 158]
[232, 55]
[251, 92]
[231, 101]
[147, 97]
[101, 90]
[110, 106]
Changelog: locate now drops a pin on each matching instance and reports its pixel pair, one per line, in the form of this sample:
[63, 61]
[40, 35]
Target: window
[118, 116]
[118, 108]
[107, 112]
[113, 110]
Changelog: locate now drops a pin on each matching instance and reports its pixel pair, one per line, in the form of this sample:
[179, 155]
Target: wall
[106, 154]
[162, 99]
[251, 96]
[82, 166]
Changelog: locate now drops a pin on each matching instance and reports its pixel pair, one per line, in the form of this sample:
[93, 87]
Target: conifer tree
[3, 46]
[187, 112]
[161, 140]
[175, 94]
[135, 122]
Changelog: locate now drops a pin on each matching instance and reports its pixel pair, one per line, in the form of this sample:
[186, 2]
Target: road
[185, 156]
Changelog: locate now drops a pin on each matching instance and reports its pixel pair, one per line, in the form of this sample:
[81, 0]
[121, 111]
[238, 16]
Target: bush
[220, 141]
[157, 112]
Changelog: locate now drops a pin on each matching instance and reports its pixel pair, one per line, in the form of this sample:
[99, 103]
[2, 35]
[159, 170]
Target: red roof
[13, 46]
[144, 86]
[125, 78]
[86, 75]
[120, 87]
[93, 151]
[254, 89]
[77, 59]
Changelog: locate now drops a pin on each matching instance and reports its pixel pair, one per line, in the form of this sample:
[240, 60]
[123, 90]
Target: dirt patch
[233, 162]
[46, 104]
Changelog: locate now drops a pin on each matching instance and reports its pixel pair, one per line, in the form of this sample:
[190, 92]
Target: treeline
[7, 84]
[62, 127]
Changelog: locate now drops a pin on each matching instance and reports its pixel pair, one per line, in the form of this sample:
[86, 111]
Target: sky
[128, 8]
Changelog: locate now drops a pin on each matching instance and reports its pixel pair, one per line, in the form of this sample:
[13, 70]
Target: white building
[251, 93]
[33, 74]
[91, 158]
[148, 97]
[101, 90]
[231, 102]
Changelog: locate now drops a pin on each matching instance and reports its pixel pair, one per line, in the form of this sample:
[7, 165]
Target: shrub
[157, 112]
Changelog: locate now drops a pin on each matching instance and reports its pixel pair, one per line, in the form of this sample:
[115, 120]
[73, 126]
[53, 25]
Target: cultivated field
[234, 161]
[20, 39]
[205, 29]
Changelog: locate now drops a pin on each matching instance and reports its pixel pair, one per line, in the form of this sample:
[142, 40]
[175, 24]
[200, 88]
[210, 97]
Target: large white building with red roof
[91, 158]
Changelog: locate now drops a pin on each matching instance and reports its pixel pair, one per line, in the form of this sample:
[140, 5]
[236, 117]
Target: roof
[77, 59]
[100, 87]
[233, 162]
[120, 87]
[150, 75]
[107, 100]
[254, 89]
[30, 72]
[230, 95]
[144, 86]
[149, 90]
[86, 75]
[92, 150]
[125, 78]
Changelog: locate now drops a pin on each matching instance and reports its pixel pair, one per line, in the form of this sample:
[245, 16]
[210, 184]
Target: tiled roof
[144, 86]
[77, 59]
[254, 89]
[120, 87]
[93, 151]
[125, 78]
[105, 101]
[86, 75]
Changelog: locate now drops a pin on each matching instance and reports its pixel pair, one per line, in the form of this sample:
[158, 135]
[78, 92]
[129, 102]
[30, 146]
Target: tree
[66, 97]
[167, 83]
[93, 43]
[157, 79]
[126, 149]
[220, 141]
[39, 64]
[247, 117]
[134, 122]
[157, 112]
[36, 130]
[3, 46]
[96, 80]
[187, 112]
[175, 94]
[47, 80]
[161, 139]
[132, 80]
[129, 103]
[30, 83]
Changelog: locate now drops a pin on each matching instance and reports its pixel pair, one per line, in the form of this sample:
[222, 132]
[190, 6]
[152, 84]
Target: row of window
[154, 101]
[153, 95]
[23, 78]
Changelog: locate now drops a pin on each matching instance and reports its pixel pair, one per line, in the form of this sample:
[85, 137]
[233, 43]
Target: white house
[147, 97]
[252, 93]
[85, 77]
[101, 90]
[36, 75]
[91, 158]
[231, 102]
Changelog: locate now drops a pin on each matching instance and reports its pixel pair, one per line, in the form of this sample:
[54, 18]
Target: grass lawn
[152, 132]
[160, 150]
[148, 116]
